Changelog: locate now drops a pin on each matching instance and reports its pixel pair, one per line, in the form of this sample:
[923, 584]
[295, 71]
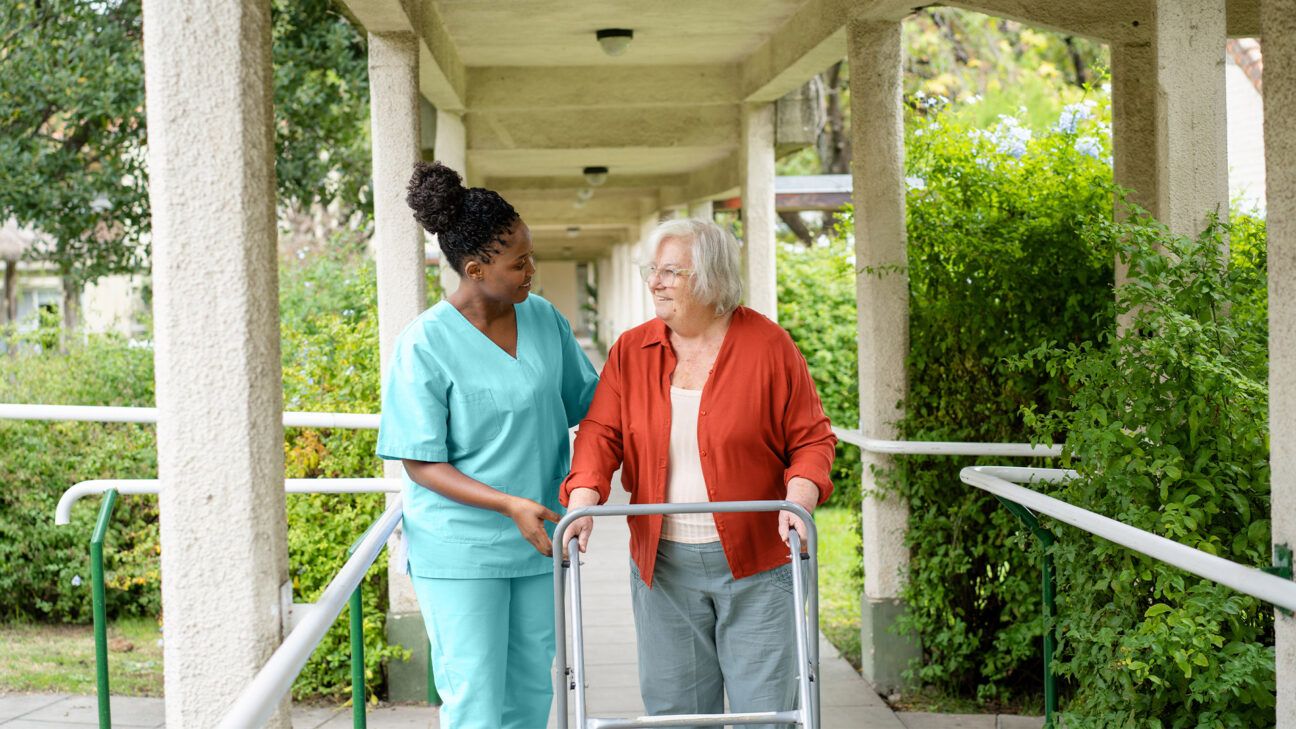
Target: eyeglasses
[666, 274]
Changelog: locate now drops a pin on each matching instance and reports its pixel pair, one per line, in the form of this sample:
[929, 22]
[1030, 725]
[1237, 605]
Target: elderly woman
[709, 401]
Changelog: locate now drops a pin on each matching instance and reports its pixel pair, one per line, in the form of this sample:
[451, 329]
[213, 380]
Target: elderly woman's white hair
[717, 266]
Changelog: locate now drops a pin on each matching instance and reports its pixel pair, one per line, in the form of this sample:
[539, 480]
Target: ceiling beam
[584, 87]
[687, 126]
[551, 210]
[443, 78]
[811, 40]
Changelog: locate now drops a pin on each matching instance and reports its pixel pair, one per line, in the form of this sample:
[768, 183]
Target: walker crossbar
[805, 609]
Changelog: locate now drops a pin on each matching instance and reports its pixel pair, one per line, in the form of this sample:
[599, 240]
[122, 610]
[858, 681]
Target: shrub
[330, 363]
[997, 264]
[1168, 428]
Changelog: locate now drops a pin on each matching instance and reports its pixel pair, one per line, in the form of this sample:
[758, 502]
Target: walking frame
[805, 595]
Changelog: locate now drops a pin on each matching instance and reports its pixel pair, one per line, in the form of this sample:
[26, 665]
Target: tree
[72, 126]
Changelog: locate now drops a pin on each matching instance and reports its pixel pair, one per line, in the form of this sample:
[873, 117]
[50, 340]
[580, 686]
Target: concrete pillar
[702, 210]
[644, 309]
[452, 150]
[757, 176]
[402, 295]
[877, 136]
[216, 318]
[1192, 149]
[1279, 45]
[603, 282]
[1134, 131]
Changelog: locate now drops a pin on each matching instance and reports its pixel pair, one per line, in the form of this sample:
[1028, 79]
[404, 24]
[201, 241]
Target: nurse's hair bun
[436, 193]
[468, 222]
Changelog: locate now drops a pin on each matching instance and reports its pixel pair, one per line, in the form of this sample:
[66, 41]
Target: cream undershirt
[684, 482]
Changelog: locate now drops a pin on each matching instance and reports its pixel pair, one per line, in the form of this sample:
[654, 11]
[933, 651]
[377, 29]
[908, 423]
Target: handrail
[1002, 482]
[259, 699]
[945, 448]
[136, 486]
[104, 414]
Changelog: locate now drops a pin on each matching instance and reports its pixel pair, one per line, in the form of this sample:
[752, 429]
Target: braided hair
[468, 222]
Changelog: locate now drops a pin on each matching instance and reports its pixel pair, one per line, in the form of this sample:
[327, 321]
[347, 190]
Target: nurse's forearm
[451, 483]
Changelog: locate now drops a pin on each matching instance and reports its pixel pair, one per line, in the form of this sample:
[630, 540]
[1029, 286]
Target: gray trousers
[701, 633]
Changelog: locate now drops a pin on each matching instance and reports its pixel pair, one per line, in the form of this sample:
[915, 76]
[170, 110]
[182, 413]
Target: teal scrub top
[453, 396]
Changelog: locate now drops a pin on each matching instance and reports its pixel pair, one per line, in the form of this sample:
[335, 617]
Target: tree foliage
[73, 132]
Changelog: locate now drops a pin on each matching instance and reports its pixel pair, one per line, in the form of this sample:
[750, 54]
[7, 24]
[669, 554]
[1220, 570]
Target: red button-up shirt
[760, 423]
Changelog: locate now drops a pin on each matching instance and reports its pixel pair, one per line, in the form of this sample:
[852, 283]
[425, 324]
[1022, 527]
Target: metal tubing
[945, 448]
[1248, 580]
[259, 699]
[136, 486]
[560, 676]
[99, 609]
[805, 670]
[578, 634]
[97, 414]
[1046, 541]
[357, 661]
[762, 717]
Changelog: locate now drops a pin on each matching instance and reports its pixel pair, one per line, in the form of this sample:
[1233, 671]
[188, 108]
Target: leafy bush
[997, 264]
[42, 459]
[330, 363]
[1168, 427]
[816, 304]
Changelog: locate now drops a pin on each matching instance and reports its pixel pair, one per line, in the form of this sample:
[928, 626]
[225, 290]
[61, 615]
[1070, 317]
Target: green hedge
[330, 356]
[1169, 431]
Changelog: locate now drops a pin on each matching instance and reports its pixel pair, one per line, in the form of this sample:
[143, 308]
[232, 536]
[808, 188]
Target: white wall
[1245, 139]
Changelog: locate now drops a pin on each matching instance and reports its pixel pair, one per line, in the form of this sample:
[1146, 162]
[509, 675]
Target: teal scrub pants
[492, 649]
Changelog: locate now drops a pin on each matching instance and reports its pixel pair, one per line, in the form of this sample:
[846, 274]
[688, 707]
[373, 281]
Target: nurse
[479, 395]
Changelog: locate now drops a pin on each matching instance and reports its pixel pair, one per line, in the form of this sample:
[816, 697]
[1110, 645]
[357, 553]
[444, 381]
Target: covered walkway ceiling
[540, 100]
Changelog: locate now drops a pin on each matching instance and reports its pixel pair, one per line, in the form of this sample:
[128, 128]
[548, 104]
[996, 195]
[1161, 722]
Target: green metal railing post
[357, 661]
[99, 609]
[1046, 540]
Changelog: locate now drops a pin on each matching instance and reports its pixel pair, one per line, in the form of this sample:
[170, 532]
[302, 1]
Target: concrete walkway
[611, 665]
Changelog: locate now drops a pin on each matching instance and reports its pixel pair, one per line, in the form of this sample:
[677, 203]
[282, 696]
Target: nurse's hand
[530, 518]
[582, 527]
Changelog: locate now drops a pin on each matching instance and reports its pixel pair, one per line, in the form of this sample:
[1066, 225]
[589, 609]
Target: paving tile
[925, 720]
[13, 706]
[29, 724]
[1012, 721]
[312, 717]
[838, 717]
[390, 717]
[127, 711]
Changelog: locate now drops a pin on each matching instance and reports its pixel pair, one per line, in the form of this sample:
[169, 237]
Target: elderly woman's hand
[800, 491]
[582, 527]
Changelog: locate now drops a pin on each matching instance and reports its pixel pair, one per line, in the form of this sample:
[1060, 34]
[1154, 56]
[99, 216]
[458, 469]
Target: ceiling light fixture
[614, 40]
[595, 176]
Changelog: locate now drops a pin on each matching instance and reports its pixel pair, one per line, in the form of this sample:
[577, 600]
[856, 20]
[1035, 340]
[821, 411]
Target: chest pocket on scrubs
[475, 419]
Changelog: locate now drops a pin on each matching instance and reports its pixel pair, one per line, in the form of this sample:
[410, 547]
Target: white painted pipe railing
[11, 411]
[266, 691]
[63, 512]
[945, 448]
[1002, 482]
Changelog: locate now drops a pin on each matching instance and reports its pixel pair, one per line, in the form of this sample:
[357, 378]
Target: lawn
[60, 658]
[839, 581]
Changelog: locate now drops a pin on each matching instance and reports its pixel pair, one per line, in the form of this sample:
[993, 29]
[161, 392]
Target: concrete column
[402, 295]
[603, 281]
[1279, 24]
[1134, 131]
[702, 210]
[1192, 149]
[644, 309]
[452, 150]
[757, 176]
[216, 318]
[877, 136]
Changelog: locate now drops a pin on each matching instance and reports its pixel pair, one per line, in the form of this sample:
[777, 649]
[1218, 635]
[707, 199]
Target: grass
[839, 581]
[60, 658]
